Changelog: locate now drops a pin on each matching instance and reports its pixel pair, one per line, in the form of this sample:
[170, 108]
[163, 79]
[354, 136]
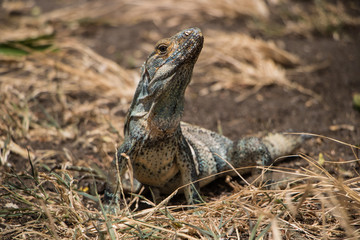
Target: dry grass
[238, 62]
[314, 205]
[61, 104]
[326, 18]
[320, 17]
[47, 97]
[164, 12]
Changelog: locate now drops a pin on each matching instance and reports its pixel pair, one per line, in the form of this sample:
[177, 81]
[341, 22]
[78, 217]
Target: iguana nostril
[187, 33]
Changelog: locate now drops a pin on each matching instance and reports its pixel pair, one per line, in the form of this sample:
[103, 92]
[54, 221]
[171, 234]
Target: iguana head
[170, 65]
[171, 54]
[165, 75]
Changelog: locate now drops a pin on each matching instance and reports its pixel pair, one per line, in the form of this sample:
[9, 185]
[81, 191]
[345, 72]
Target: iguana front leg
[189, 170]
[117, 170]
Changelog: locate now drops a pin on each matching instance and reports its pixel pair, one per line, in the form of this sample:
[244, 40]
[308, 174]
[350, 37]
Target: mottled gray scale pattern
[161, 168]
[215, 142]
[166, 153]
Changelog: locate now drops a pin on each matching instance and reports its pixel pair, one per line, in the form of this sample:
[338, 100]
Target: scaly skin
[166, 153]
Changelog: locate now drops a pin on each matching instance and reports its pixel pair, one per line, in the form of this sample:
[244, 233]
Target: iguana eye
[162, 48]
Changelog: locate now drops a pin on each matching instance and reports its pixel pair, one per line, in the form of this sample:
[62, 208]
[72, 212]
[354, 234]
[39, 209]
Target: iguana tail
[280, 144]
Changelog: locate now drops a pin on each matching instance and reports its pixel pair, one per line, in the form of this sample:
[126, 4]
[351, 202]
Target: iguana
[166, 153]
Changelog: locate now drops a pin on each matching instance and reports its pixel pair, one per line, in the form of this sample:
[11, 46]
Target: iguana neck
[167, 110]
[158, 103]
